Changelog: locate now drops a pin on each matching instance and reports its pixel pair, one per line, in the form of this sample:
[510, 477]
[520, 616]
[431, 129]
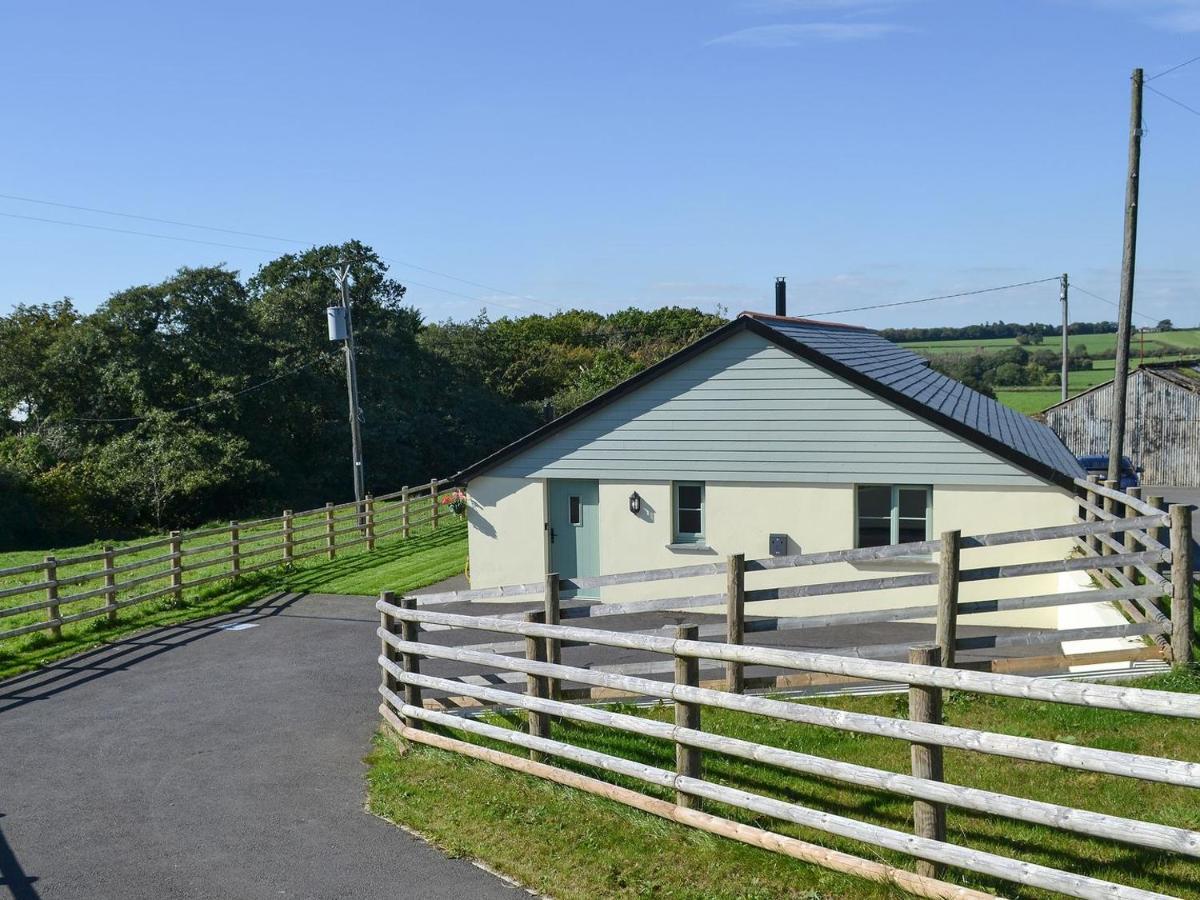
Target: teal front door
[575, 529]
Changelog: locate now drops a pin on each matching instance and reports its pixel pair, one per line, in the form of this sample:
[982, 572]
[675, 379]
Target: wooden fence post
[411, 631]
[947, 605]
[553, 645]
[433, 501]
[1181, 585]
[735, 618]
[404, 511]
[1159, 534]
[387, 623]
[1093, 542]
[235, 550]
[925, 705]
[1110, 507]
[330, 533]
[52, 612]
[1131, 543]
[110, 583]
[177, 566]
[289, 544]
[535, 685]
[370, 504]
[687, 715]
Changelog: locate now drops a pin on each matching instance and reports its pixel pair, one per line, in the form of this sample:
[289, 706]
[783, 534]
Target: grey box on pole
[336, 317]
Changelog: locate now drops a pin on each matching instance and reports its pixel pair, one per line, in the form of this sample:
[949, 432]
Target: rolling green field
[576, 846]
[1156, 343]
[1030, 400]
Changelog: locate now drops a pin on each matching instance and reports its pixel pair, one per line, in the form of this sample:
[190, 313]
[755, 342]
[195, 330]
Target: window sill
[920, 561]
[690, 548]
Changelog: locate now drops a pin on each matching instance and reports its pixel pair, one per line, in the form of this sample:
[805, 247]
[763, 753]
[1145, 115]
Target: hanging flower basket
[456, 500]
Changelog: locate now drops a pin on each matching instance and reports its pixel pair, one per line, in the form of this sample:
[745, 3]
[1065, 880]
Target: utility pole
[343, 280]
[1066, 369]
[1116, 437]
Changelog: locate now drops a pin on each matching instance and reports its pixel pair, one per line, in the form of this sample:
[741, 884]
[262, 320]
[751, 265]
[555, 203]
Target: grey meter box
[336, 315]
[779, 545]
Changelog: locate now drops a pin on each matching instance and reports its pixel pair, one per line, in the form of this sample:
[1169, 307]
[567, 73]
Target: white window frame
[687, 537]
[894, 534]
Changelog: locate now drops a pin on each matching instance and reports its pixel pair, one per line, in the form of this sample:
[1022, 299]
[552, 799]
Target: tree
[1164, 325]
[208, 396]
[164, 469]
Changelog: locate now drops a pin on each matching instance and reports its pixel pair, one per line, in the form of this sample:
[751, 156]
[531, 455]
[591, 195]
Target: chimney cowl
[781, 296]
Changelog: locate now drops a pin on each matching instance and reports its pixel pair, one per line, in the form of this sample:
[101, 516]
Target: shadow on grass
[349, 573]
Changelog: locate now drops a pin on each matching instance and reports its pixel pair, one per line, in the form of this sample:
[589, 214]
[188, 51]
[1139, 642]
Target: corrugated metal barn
[1162, 412]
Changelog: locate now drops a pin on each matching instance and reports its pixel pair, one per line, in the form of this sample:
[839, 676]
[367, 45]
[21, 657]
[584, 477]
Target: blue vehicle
[1098, 465]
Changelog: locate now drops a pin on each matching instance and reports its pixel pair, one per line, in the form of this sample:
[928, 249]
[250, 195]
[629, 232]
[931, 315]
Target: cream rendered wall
[506, 521]
[506, 531]
[739, 518]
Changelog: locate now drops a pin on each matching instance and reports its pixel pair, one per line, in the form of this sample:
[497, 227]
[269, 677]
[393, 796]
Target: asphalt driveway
[202, 762]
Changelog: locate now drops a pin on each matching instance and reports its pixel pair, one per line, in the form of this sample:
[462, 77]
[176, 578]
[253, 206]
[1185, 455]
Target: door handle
[552, 535]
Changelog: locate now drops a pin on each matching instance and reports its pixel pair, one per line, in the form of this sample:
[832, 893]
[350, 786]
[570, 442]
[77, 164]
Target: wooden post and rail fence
[1157, 608]
[518, 682]
[127, 576]
[1136, 553]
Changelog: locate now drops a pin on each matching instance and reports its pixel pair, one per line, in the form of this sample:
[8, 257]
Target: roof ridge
[800, 320]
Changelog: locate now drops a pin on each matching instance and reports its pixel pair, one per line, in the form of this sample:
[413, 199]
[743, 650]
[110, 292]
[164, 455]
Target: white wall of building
[508, 545]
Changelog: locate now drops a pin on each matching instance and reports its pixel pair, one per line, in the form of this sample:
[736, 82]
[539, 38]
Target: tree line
[992, 330]
[208, 396]
[1010, 367]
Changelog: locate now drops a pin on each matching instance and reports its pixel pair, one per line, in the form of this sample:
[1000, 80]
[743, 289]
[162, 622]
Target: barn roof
[870, 361]
[1181, 373]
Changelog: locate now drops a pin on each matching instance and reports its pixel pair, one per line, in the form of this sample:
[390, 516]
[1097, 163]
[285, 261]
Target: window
[892, 514]
[689, 512]
[575, 510]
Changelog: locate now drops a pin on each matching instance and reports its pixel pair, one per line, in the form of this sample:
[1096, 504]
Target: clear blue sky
[612, 153]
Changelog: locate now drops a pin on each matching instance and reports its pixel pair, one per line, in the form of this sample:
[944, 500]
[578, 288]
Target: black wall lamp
[635, 503]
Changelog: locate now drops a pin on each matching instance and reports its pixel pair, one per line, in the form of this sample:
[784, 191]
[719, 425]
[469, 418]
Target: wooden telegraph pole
[1066, 325]
[1116, 436]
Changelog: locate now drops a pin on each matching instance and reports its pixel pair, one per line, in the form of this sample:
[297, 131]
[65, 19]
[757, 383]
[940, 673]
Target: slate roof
[865, 358]
[879, 360]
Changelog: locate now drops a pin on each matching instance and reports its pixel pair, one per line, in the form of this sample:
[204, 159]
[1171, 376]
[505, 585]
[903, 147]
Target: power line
[209, 402]
[263, 251]
[1076, 287]
[266, 237]
[150, 234]
[1003, 287]
[125, 215]
[1179, 103]
[1173, 68]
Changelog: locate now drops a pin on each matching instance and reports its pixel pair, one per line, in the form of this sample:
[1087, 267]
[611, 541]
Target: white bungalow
[773, 435]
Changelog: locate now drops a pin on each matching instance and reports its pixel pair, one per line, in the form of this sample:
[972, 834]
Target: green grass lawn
[573, 845]
[396, 564]
[1028, 401]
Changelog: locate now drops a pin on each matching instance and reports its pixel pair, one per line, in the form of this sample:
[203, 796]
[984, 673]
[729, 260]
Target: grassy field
[573, 845]
[1030, 400]
[1156, 343]
[396, 564]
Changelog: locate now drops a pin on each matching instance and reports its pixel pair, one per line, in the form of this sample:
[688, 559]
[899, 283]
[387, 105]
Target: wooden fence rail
[248, 547]
[925, 732]
[1132, 538]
